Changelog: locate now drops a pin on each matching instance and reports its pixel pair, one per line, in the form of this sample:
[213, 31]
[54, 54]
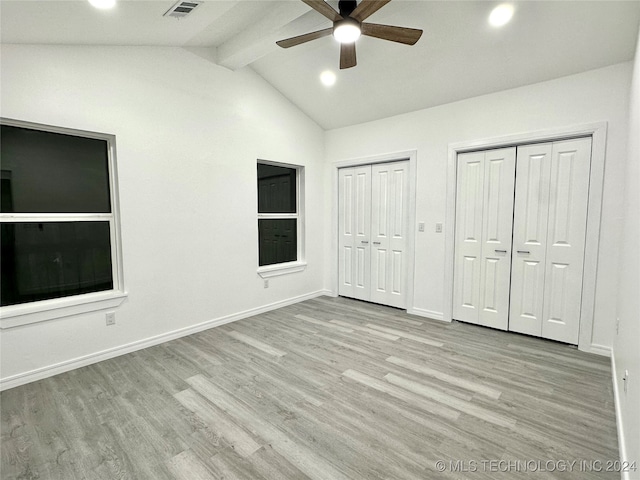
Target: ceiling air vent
[182, 9]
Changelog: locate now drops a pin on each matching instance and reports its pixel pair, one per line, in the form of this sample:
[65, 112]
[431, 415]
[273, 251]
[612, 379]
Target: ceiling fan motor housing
[346, 7]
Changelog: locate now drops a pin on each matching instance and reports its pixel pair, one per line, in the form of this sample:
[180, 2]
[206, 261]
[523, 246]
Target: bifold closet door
[552, 190]
[389, 217]
[373, 224]
[354, 256]
[533, 178]
[483, 235]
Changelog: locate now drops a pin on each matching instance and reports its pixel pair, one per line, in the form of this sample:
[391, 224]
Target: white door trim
[411, 156]
[598, 132]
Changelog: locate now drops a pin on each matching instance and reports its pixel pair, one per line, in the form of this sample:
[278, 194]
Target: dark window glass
[278, 240]
[276, 189]
[44, 172]
[54, 259]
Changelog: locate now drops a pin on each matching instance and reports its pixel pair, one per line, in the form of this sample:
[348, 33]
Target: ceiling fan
[349, 23]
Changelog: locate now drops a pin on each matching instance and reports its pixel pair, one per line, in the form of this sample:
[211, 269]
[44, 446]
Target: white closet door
[497, 222]
[568, 199]
[533, 175]
[354, 226]
[468, 237]
[346, 233]
[389, 217]
[520, 238]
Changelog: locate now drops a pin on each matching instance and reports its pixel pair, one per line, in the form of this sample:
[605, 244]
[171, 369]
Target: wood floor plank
[187, 466]
[273, 466]
[324, 324]
[466, 407]
[402, 334]
[240, 440]
[445, 377]
[256, 344]
[428, 406]
[367, 330]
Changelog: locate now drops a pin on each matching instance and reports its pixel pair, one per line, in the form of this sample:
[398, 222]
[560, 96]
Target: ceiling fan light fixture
[346, 30]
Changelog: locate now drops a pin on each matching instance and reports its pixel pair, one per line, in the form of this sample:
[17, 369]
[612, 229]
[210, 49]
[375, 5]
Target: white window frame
[300, 264]
[43, 310]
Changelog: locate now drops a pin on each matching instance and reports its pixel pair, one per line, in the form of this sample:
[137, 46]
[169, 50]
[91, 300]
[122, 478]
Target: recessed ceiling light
[103, 4]
[328, 78]
[501, 15]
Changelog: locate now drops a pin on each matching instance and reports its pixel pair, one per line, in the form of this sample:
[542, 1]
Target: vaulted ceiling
[459, 55]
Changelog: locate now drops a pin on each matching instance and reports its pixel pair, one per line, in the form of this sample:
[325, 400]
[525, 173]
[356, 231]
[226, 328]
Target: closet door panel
[346, 228]
[497, 222]
[531, 208]
[389, 217]
[399, 225]
[354, 261]
[468, 237]
[362, 214]
[568, 200]
[381, 185]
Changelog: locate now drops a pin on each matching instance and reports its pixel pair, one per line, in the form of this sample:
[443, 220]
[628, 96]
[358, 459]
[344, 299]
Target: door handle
[500, 251]
[376, 243]
[524, 251]
[365, 241]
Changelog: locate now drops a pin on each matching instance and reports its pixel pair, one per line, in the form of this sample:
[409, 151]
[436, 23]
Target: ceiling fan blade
[408, 36]
[324, 8]
[307, 37]
[366, 8]
[347, 55]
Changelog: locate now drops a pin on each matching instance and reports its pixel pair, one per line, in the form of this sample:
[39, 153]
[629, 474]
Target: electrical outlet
[421, 227]
[111, 318]
[266, 283]
[625, 380]
[438, 228]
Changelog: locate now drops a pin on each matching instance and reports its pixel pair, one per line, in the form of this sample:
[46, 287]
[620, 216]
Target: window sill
[281, 269]
[25, 314]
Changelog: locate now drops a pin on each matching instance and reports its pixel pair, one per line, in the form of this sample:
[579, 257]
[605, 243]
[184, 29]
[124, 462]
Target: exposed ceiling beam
[208, 53]
[259, 40]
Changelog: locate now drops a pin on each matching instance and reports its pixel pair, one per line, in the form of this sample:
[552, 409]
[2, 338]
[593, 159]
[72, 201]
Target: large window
[279, 215]
[58, 222]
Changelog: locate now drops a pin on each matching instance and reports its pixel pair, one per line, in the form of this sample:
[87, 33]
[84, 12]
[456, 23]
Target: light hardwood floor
[326, 389]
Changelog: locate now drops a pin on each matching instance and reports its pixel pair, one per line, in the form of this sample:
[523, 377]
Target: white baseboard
[599, 350]
[422, 312]
[55, 369]
[620, 427]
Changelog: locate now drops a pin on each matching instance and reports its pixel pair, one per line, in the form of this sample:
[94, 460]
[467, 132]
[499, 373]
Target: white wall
[594, 96]
[626, 351]
[188, 134]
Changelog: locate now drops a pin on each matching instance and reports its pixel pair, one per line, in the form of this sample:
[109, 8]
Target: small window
[279, 240]
[59, 231]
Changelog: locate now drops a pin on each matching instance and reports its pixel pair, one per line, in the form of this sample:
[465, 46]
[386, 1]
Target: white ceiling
[459, 55]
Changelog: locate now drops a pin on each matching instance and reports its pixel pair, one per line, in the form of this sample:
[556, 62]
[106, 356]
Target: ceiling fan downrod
[346, 7]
